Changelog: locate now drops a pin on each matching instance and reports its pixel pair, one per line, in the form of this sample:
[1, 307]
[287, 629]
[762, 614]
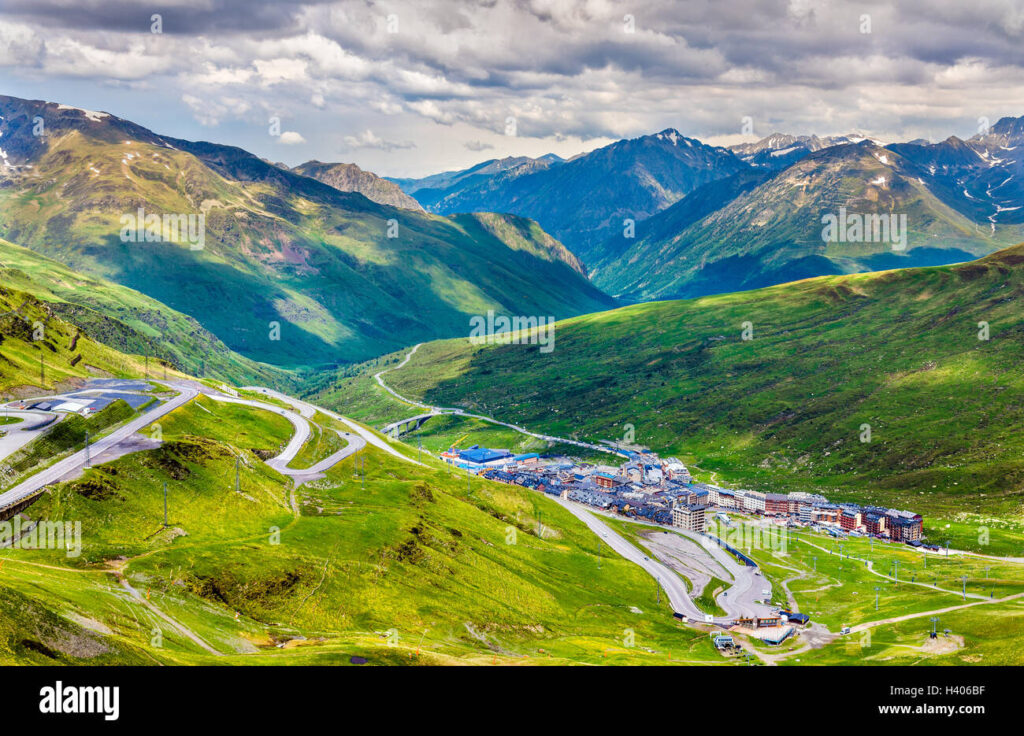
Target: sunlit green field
[837, 591]
[406, 559]
[990, 636]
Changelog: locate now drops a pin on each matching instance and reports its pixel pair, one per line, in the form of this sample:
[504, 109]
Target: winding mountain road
[301, 422]
[187, 390]
[309, 410]
[491, 420]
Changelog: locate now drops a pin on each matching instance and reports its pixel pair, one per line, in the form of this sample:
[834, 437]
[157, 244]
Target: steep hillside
[288, 270]
[666, 224]
[583, 201]
[127, 320]
[776, 232]
[896, 350]
[350, 178]
[39, 348]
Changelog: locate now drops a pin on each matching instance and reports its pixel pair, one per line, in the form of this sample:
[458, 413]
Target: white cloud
[275, 71]
[19, 45]
[210, 111]
[368, 139]
[291, 138]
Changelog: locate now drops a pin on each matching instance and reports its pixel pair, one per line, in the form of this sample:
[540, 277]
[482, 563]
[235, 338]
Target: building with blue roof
[483, 455]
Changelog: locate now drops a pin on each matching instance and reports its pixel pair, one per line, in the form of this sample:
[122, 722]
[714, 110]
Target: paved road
[490, 420]
[747, 586]
[670, 582]
[18, 435]
[188, 390]
[741, 596]
[389, 428]
[300, 421]
[75, 462]
[380, 381]
[307, 409]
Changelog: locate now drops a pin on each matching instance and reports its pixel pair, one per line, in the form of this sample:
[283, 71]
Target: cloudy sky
[412, 88]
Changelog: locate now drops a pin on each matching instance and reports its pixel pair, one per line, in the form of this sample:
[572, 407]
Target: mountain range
[774, 232]
[326, 263]
[585, 200]
[292, 271]
[779, 150]
[665, 216]
[350, 178]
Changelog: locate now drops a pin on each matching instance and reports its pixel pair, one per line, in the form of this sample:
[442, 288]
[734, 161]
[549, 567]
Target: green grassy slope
[279, 247]
[408, 565]
[896, 350]
[67, 352]
[104, 309]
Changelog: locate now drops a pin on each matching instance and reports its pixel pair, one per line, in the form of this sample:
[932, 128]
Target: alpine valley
[272, 416]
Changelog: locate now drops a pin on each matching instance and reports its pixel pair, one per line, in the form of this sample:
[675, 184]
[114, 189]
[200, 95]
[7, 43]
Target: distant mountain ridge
[677, 226]
[293, 272]
[778, 150]
[774, 232]
[588, 198]
[351, 178]
[754, 218]
[983, 176]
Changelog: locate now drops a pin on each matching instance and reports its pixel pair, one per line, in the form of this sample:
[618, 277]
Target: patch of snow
[91, 114]
[997, 186]
[672, 137]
